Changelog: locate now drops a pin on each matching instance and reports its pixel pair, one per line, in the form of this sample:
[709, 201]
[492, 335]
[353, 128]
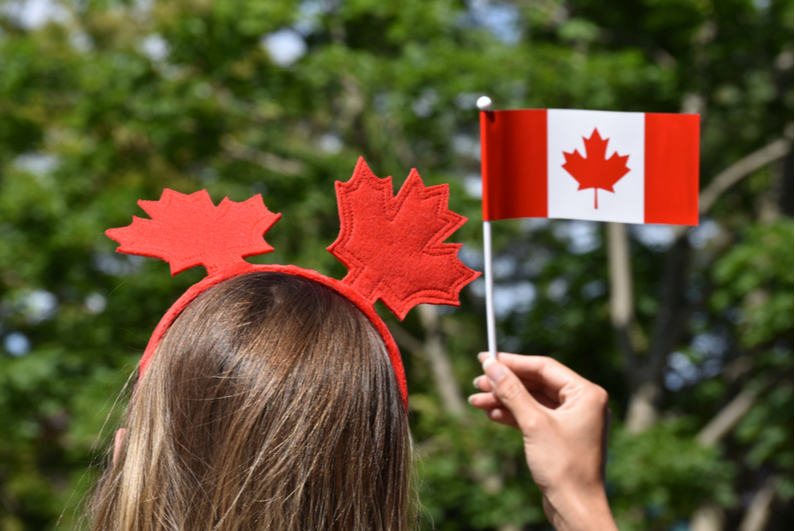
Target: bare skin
[563, 419]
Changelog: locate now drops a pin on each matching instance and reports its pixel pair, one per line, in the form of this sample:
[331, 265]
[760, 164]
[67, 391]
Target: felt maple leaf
[393, 246]
[595, 171]
[188, 230]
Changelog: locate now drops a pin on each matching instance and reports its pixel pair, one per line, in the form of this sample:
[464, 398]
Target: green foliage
[678, 475]
[759, 272]
[115, 100]
[465, 484]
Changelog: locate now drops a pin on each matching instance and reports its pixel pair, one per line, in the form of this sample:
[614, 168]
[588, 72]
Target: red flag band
[593, 165]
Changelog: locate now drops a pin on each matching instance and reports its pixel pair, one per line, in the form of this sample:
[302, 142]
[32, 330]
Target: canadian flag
[594, 165]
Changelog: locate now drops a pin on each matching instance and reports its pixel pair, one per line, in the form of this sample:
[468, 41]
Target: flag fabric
[593, 165]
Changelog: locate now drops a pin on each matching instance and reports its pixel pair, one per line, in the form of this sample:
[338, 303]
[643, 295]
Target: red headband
[392, 246]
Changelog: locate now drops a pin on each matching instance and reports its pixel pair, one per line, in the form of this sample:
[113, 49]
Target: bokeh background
[103, 102]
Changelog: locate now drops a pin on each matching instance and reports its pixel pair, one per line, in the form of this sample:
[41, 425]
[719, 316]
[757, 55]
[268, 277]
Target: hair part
[270, 404]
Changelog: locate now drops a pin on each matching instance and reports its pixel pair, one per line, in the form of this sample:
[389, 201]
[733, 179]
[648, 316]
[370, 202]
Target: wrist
[579, 510]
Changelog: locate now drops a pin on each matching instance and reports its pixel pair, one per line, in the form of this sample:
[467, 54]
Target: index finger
[550, 372]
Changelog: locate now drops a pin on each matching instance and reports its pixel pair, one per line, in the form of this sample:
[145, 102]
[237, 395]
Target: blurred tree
[103, 102]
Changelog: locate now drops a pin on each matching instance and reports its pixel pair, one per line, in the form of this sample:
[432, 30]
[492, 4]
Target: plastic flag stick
[484, 104]
[491, 326]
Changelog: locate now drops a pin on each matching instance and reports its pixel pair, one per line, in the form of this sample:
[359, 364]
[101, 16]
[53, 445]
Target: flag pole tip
[484, 103]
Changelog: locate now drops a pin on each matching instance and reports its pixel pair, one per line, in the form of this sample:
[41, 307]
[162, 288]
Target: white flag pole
[484, 104]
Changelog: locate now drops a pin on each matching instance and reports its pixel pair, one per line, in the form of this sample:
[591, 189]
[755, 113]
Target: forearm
[573, 512]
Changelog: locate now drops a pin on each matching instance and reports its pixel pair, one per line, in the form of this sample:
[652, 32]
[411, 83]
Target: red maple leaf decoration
[393, 246]
[595, 171]
[188, 230]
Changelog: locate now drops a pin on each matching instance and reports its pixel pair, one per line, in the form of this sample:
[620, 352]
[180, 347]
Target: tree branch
[269, 161]
[727, 418]
[404, 338]
[758, 512]
[742, 168]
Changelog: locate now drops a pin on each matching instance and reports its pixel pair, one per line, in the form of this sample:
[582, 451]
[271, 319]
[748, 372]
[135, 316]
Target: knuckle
[511, 391]
[600, 396]
[529, 423]
[533, 423]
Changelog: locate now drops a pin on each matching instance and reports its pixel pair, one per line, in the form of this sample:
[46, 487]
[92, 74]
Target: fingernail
[471, 399]
[482, 356]
[475, 383]
[494, 370]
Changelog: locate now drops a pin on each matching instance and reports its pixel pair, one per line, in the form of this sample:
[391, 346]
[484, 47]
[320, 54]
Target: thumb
[511, 391]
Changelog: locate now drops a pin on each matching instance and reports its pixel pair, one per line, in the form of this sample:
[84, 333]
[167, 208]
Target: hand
[563, 419]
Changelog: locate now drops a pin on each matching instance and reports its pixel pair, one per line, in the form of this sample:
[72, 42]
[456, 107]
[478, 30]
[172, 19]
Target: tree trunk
[435, 352]
[708, 517]
[643, 411]
[442, 368]
[621, 300]
[645, 365]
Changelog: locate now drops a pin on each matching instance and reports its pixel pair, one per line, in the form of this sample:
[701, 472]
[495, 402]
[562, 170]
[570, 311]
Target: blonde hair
[270, 404]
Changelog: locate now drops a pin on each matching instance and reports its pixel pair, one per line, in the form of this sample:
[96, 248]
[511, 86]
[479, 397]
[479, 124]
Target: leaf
[594, 171]
[393, 246]
[188, 230]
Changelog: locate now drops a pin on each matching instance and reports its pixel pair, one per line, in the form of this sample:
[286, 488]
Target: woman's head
[271, 404]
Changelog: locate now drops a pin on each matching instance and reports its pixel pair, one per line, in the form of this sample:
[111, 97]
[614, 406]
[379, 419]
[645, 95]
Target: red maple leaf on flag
[188, 230]
[393, 246]
[595, 170]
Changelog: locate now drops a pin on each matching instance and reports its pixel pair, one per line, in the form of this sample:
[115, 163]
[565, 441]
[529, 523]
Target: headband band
[393, 247]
